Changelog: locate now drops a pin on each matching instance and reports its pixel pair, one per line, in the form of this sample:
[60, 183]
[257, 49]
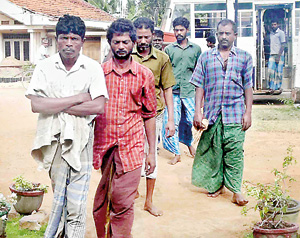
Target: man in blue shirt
[223, 78]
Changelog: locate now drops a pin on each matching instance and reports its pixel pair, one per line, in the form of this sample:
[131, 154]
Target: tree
[110, 6]
[153, 9]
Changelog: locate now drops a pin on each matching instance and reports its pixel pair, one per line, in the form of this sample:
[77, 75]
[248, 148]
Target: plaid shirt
[131, 98]
[224, 89]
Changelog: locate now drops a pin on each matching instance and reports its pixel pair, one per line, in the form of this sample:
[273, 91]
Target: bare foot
[239, 199]
[153, 210]
[217, 193]
[192, 150]
[175, 160]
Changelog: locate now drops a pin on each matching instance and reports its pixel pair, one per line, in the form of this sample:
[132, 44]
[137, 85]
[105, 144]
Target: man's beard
[158, 46]
[143, 47]
[121, 57]
[180, 38]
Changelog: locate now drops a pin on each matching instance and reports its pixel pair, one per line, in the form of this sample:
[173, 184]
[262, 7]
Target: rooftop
[58, 8]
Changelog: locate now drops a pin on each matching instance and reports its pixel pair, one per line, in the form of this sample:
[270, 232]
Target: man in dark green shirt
[183, 55]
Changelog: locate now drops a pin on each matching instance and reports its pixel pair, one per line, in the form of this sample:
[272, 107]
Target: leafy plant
[4, 204]
[272, 199]
[22, 184]
[287, 101]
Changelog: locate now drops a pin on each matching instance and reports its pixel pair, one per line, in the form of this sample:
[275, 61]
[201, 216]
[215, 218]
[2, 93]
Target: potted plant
[278, 211]
[29, 195]
[4, 209]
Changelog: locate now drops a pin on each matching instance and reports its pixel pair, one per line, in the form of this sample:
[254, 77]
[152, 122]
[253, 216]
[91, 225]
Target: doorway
[265, 14]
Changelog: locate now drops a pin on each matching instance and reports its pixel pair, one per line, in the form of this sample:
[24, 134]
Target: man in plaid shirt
[119, 134]
[223, 77]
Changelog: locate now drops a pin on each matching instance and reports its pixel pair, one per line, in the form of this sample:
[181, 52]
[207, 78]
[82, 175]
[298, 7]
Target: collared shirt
[159, 63]
[183, 62]
[132, 98]
[51, 79]
[224, 90]
[277, 38]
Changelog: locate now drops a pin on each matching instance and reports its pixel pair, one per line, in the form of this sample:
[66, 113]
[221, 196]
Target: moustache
[121, 52]
[143, 45]
[68, 50]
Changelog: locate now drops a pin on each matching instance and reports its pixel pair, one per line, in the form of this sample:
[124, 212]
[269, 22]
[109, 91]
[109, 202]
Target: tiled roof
[57, 8]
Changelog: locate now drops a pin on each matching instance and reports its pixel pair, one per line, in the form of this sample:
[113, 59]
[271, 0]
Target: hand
[170, 129]
[277, 59]
[150, 164]
[197, 123]
[85, 97]
[246, 121]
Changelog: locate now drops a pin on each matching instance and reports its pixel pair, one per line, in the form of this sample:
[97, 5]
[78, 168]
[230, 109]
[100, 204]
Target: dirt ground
[188, 212]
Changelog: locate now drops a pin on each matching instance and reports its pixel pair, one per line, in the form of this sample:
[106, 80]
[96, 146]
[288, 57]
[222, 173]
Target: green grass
[248, 235]
[276, 118]
[12, 230]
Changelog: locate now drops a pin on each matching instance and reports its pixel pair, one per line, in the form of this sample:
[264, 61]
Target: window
[297, 21]
[206, 23]
[4, 22]
[181, 10]
[17, 49]
[26, 50]
[245, 28]
[7, 49]
[17, 45]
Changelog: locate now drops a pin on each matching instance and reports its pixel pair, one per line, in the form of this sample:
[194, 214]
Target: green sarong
[219, 158]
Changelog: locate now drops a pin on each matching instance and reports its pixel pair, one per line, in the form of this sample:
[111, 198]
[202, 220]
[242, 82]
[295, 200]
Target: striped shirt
[131, 98]
[224, 88]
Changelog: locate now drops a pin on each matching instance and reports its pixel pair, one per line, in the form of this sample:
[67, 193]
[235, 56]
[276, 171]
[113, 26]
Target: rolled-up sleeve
[98, 85]
[198, 75]
[247, 72]
[38, 84]
[149, 103]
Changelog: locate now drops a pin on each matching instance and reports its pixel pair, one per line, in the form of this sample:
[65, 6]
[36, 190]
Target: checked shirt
[224, 88]
[131, 98]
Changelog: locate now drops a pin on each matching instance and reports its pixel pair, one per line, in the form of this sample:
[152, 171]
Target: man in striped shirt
[119, 134]
[223, 77]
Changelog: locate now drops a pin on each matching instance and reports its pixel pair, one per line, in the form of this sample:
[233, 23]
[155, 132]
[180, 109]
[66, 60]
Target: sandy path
[188, 213]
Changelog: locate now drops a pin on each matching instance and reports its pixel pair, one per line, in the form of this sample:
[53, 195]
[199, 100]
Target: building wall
[4, 19]
[91, 48]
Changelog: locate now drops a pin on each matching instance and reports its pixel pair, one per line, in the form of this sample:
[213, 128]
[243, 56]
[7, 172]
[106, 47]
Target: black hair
[182, 21]
[211, 39]
[274, 20]
[70, 24]
[121, 26]
[226, 22]
[144, 22]
[159, 33]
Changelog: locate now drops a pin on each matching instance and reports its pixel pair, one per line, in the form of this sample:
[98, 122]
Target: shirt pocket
[236, 78]
[135, 95]
[190, 62]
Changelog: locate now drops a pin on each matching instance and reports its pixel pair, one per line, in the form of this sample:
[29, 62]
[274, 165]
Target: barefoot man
[223, 76]
[159, 63]
[67, 90]
[119, 134]
[183, 55]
